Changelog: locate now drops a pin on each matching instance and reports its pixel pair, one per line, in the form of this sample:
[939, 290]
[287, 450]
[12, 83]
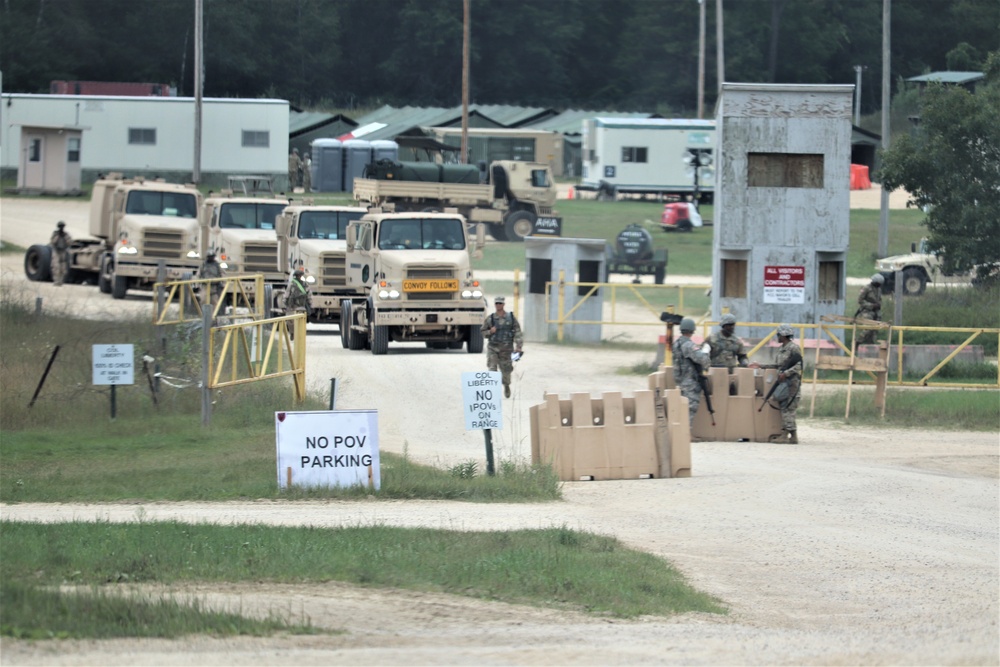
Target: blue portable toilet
[385, 149]
[357, 155]
[327, 165]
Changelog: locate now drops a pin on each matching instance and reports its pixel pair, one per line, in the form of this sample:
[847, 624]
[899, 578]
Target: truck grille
[333, 272]
[165, 243]
[260, 257]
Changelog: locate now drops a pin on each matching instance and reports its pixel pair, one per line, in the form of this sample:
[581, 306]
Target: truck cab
[241, 232]
[413, 277]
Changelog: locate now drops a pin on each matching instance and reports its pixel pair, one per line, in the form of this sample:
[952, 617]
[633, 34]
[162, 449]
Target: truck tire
[519, 224]
[345, 324]
[497, 231]
[38, 263]
[475, 342]
[914, 282]
[380, 339]
[660, 274]
[104, 277]
[119, 287]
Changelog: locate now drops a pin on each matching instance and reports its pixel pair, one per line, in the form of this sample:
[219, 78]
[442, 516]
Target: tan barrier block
[719, 381]
[614, 430]
[536, 438]
[679, 435]
[554, 432]
[639, 450]
[589, 453]
[740, 420]
[767, 422]
[746, 384]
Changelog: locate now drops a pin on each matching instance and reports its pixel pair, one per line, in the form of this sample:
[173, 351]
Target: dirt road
[860, 546]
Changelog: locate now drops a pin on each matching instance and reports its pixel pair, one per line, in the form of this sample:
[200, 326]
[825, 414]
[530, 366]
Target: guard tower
[581, 260]
[782, 201]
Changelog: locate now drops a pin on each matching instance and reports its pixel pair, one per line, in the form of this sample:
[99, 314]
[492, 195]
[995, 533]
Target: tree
[951, 167]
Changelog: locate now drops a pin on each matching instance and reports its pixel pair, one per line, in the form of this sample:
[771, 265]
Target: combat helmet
[727, 319]
[687, 325]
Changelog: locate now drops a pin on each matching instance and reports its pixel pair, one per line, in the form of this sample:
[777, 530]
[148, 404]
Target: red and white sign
[784, 284]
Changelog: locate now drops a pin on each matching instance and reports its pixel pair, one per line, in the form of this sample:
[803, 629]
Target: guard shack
[50, 160]
[580, 260]
[782, 203]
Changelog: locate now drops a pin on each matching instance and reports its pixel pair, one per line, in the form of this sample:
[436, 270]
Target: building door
[32, 172]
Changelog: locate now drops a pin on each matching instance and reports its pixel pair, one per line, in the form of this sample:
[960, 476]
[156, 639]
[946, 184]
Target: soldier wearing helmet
[211, 269]
[59, 261]
[504, 333]
[727, 349]
[297, 293]
[789, 364]
[870, 305]
[689, 362]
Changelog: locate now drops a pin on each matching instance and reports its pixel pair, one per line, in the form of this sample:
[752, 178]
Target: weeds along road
[860, 546]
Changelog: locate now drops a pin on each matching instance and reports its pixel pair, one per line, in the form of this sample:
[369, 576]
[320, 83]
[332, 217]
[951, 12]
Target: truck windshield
[539, 178]
[249, 215]
[329, 225]
[414, 234]
[151, 202]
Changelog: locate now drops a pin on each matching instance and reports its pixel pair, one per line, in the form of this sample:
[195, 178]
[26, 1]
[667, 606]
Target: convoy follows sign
[328, 448]
[482, 399]
[784, 284]
[114, 364]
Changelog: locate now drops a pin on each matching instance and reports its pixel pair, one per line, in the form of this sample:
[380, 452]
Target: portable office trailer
[154, 136]
[645, 156]
[782, 206]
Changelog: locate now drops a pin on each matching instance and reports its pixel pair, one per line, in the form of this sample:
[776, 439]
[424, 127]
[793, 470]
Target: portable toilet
[357, 155]
[385, 149]
[327, 165]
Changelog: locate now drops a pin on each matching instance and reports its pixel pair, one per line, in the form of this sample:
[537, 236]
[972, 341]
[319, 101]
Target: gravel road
[862, 546]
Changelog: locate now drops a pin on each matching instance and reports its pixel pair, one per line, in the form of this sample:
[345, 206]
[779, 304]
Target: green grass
[950, 410]
[555, 567]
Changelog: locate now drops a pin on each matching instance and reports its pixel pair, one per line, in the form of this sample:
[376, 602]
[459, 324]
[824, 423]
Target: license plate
[450, 285]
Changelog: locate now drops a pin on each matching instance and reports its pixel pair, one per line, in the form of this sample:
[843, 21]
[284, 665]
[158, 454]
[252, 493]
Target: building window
[634, 154]
[540, 272]
[784, 170]
[35, 150]
[831, 272]
[734, 278]
[256, 138]
[73, 155]
[590, 272]
[142, 136]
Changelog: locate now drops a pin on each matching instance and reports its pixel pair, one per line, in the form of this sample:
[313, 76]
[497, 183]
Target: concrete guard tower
[782, 202]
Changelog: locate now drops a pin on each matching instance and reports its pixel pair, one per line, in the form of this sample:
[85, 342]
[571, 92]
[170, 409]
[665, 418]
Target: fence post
[206, 341]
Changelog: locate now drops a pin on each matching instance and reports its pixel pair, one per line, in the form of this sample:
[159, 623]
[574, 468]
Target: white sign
[114, 364]
[328, 448]
[784, 284]
[482, 400]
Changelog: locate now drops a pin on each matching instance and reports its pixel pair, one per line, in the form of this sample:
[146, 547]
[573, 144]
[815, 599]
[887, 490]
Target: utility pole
[720, 65]
[467, 11]
[701, 59]
[199, 71]
[883, 223]
[857, 93]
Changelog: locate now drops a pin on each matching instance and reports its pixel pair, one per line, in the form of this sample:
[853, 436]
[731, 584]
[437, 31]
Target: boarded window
[829, 280]
[142, 136]
[73, 153]
[256, 138]
[734, 278]
[784, 170]
[590, 272]
[540, 271]
[634, 154]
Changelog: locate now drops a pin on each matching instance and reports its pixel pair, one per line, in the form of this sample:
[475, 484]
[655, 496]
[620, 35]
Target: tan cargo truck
[516, 197]
[314, 239]
[413, 279]
[136, 224]
[241, 232]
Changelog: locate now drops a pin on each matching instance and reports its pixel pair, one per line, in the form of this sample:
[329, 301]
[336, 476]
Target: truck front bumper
[430, 317]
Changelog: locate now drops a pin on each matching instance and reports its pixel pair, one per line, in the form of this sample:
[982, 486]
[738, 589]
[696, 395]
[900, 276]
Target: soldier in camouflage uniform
[870, 306]
[728, 351]
[294, 167]
[59, 262]
[689, 362]
[297, 294]
[789, 365]
[504, 333]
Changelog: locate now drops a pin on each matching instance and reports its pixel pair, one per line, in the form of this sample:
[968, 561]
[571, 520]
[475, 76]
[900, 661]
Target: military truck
[413, 278]
[919, 267]
[240, 230]
[314, 239]
[515, 196]
[135, 223]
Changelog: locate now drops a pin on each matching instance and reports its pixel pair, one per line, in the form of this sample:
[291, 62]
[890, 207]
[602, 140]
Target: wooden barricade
[878, 366]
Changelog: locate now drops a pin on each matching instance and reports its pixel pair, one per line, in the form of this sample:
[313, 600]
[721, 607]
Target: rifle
[794, 359]
[703, 381]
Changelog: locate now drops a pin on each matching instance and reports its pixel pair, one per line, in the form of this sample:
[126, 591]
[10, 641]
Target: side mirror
[913, 247]
[282, 225]
[352, 237]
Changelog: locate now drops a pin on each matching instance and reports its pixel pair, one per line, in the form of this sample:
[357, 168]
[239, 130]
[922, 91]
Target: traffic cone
[569, 193]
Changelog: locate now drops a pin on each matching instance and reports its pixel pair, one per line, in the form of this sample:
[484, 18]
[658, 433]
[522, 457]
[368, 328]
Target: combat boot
[779, 437]
[792, 438]
[506, 390]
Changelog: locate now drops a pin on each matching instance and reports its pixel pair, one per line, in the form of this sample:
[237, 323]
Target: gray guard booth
[583, 260]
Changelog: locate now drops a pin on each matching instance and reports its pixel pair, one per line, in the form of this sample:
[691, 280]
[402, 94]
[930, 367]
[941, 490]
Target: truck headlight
[388, 294]
[193, 254]
[310, 279]
[472, 294]
[128, 250]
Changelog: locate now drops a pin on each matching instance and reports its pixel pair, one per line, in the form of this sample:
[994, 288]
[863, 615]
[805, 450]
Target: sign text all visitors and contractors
[784, 284]
[114, 364]
[482, 400]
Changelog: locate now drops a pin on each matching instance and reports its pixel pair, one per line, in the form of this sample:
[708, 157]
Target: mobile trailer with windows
[648, 157]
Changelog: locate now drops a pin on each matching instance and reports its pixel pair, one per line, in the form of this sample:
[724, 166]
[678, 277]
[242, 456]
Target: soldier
[294, 165]
[789, 365]
[297, 293]
[728, 351]
[870, 305]
[689, 362]
[504, 333]
[307, 173]
[60, 253]
[211, 269]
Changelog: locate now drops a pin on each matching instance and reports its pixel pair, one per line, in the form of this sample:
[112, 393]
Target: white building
[154, 136]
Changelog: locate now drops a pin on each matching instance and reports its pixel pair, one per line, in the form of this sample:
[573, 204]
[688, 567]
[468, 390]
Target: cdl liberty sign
[482, 400]
[328, 448]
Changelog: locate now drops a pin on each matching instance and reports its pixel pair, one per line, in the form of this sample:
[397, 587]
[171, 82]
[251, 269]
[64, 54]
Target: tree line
[636, 55]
